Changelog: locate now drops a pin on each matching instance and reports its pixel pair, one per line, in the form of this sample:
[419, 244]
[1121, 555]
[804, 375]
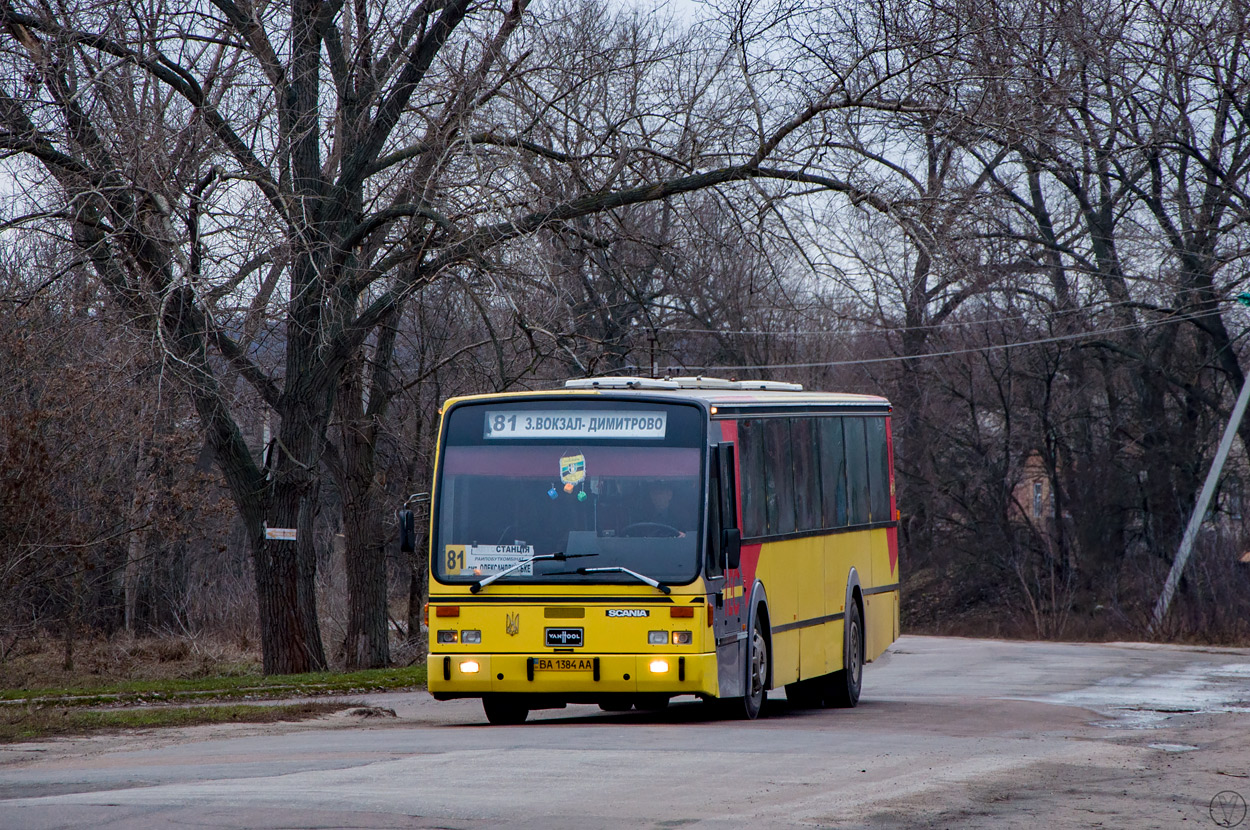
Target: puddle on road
[1147, 702]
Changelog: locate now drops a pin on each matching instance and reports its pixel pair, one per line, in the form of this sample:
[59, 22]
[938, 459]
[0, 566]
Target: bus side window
[857, 470]
[806, 479]
[779, 475]
[832, 472]
[751, 484]
[878, 472]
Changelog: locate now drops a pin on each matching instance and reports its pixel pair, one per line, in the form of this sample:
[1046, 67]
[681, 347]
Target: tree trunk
[136, 547]
[290, 638]
[361, 410]
[367, 639]
[286, 571]
[367, 643]
[141, 507]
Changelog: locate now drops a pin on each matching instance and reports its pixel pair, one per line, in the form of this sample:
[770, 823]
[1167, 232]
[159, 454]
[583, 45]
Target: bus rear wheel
[501, 711]
[845, 685]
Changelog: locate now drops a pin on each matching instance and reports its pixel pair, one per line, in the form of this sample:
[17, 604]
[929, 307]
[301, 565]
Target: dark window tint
[806, 481]
[856, 470]
[779, 472]
[832, 472]
[751, 480]
[878, 471]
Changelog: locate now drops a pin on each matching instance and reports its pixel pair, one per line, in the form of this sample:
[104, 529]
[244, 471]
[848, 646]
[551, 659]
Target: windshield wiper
[559, 556]
[617, 569]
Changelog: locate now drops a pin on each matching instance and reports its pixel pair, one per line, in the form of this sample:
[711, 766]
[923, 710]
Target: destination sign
[483, 560]
[575, 423]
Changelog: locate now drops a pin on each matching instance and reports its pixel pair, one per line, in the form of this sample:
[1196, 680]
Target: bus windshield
[609, 484]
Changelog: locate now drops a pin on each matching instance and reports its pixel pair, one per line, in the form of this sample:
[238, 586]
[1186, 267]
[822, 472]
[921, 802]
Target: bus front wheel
[844, 686]
[757, 674]
[501, 711]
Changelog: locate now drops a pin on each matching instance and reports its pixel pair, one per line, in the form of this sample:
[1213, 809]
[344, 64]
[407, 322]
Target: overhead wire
[1084, 335]
[887, 329]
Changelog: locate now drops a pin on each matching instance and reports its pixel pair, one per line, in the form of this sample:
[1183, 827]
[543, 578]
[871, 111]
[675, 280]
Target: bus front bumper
[579, 676]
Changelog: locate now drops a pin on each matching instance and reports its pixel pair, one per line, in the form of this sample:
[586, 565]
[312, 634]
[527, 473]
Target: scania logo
[557, 637]
[629, 612]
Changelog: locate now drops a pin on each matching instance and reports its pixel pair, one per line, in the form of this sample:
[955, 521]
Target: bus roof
[732, 395]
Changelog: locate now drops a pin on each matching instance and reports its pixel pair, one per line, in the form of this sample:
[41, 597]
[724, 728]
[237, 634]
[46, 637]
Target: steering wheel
[651, 529]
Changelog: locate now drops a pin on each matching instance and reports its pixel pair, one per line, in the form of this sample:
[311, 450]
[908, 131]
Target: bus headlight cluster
[472, 636]
[662, 638]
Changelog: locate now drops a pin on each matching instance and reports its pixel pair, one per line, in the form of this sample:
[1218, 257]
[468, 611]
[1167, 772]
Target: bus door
[725, 582]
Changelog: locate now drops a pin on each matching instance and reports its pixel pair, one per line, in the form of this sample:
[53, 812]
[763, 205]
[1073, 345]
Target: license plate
[564, 664]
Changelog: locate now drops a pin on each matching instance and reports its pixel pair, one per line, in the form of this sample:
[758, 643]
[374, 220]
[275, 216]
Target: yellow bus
[622, 541]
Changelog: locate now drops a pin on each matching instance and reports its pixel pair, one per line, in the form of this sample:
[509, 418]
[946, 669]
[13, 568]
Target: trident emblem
[513, 626]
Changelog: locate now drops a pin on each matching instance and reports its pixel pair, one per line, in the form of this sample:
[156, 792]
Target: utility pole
[1204, 499]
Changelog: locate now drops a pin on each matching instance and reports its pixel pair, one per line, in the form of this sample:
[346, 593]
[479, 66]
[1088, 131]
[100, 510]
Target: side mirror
[407, 531]
[731, 544]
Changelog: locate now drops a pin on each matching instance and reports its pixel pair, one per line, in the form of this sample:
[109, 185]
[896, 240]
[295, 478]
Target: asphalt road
[950, 733]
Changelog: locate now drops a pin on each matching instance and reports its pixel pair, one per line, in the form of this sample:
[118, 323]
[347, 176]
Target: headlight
[472, 636]
[447, 637]
[680, 638]
[657, 638]
[659, 666]
[469, 667]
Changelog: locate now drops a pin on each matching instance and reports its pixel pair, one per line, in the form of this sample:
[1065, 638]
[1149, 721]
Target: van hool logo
[557, 637]
[628, 612]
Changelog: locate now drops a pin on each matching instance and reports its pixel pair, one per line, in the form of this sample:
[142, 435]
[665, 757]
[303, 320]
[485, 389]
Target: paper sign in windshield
[484, 560]
[575, 423]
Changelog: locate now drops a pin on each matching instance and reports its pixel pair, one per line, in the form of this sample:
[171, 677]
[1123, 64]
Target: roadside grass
[125, 682]
[29, 723]
[213, 688]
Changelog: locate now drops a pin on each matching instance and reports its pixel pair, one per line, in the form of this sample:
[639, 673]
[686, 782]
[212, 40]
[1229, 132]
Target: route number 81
[455, 560]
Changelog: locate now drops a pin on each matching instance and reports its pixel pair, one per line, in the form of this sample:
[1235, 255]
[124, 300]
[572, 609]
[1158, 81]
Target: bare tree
[335, 158]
